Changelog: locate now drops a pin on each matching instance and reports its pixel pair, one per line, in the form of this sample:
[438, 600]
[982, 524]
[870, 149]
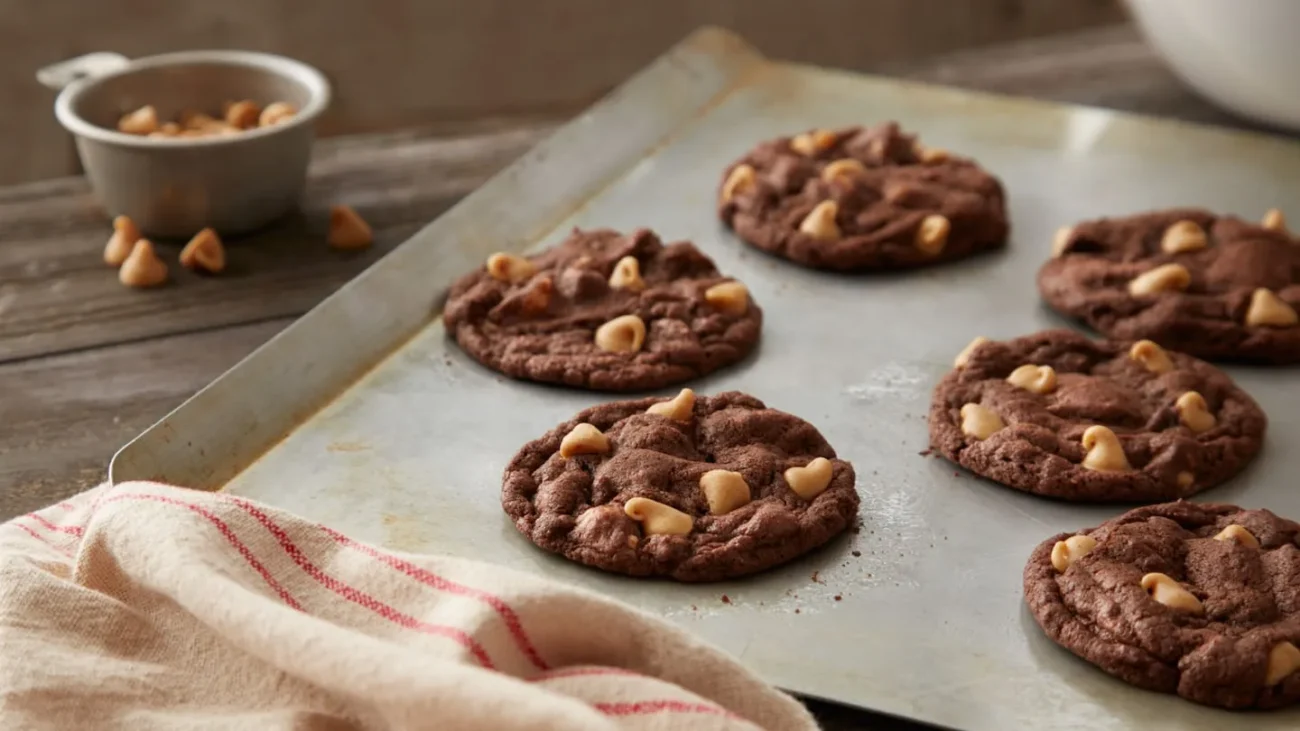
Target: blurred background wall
[397, 63]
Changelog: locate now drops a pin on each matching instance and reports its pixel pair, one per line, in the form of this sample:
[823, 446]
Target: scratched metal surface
[927, 621]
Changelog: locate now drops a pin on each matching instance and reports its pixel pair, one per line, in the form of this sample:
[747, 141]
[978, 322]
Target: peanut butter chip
[820, 222]
[964, 356]
[584, 439]
[348, 230]
[731, 298]
[143, 268]
[243, 114]
[505, 267]
[980, 422]
[1283, 660]
[275, 113]
[624, 334]
[1061, 241]
[932, 234]
[679, 408]
[657, 519]
[1170, 593]
[1185, 480]
[1239, 535]
[741, 179]
[1035, 378]
[812, 479]
[140, 122]
[1183, 236]
[1164, 278]
[1194, 413]
[1104, 452]
[120, 244]
[627, 275]
[1066, 552]
[848, 168]
[204, 252]
[724, 490]
[811, 143]
[930, 155]
[1268, 310]
[1274, 220]
[537, 296]
[1151, 356]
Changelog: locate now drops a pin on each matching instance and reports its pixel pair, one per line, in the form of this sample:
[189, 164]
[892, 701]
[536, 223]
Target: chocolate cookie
[1060, 415]
[1212, 286]
[604, 311]
[862, 198]
[696, 489]
[1199, 600]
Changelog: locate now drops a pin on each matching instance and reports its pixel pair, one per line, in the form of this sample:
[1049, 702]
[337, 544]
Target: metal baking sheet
[364, 416]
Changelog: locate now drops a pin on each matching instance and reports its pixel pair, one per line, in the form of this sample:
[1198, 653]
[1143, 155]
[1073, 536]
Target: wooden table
[86, 364]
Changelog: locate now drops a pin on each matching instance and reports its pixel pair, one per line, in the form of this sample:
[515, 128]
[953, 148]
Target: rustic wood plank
[56, 294]
[64, 416]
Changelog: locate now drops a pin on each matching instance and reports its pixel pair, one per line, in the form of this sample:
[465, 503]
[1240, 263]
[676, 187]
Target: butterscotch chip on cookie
[694, 488]
[1060, 415]
[1202, 600]
[862, 198]
[604, 311]
[1215, 287]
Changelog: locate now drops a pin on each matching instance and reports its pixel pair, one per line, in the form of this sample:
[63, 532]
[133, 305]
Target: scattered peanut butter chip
[846, 168]
[348, 230]
[1194, 413]
[1283, 660]
[275, 113]
[1035, 378]
[204, 252]
[627, 275]
[1185, 479]
[724, 491]
[932, 234]
[1151, 356]
[741, 179]
[120, 244]
[811, 143]
[505, 267]
[139, 122]
[1061, 241]
[143, 268]
[1164, 278]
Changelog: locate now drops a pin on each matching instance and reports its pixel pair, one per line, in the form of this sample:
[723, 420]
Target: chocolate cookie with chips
[604, 311]
[862, 199]
[1211, 286]
[1060, 415]
[1201, 600]
[695, 489]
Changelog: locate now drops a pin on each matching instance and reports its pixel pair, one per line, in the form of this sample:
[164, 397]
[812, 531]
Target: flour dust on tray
[692, 488]
[604, 311]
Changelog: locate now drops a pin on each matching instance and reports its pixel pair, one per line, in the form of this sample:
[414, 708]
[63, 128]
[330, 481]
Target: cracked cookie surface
[796, 494]
[862, 198]
[1032, 432]
[1229, 292]
[1220, 622]
[541, 318]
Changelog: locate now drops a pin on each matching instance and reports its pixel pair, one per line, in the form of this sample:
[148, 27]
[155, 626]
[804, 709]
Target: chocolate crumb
[726, 599]
[839, 597]
[796, 610]
[925, 452]
[815, 576]
[857, 554]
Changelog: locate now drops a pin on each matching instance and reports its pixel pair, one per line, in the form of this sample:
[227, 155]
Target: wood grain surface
[86, 364]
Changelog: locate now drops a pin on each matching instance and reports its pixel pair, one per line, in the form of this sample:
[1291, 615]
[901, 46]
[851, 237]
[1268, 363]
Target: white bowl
[1242, 54]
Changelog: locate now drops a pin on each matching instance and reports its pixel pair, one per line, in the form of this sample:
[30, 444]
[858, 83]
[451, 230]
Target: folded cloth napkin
[143, 606]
